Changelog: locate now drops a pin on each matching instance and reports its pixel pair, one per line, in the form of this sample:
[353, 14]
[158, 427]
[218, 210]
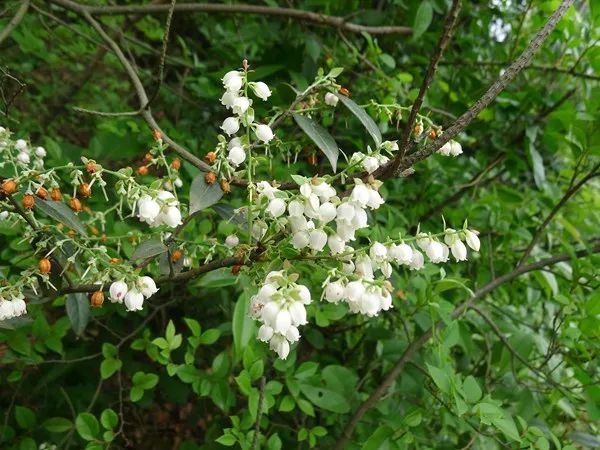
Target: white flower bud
[228, 98]
[261, 90]
[40, 152]
[354, 291]
[232, 241]
[435, 251]
[300, 240]
[276, 207]
[459, 251]
[303, 293]
[134, 300]
[455, 148]
[336, 244]
[280, 345]
[240, 105]
[375, 199]
[21, 145]
[472, 240]
[4, 215]
[231, 125]
[265, 333]
[147, 286]
[370, 164]
[23, 157]
[283, 321]
[117, 291]
[148, 209]
[327, 212]
[19, 306]
[360, 195]
[334, 292]
[6, 309]
[269, 313]
[378, 252]
[236, 156]
[298, 314]
[295, 208]
[317, 239]
[292, 335]
[331, 99]
[172, 216]
[417, 262]
[233, 80]
[263, 132]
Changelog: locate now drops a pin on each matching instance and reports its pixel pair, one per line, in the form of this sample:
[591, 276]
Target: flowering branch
[420, 342]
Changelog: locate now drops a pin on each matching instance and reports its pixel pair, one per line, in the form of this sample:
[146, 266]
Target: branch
[433, 63]
[565, 198]
[15, 21]
[297, 14]
[498, 86]
[135, 80]
[419, 342]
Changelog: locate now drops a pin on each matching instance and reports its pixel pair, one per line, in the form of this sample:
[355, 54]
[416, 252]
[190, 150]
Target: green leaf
[243, 327]
[321, 137]
[148, 249]
[440, 378]
[210, 336]
[326, 398]
[109, 367]
[378, 438]
[62, 214]
[87, 426]
[203, 195]
[78, 311]
[287, 404]
[422, 19]
[57, 424]
[218, 278]
[228, 440]
[136, 393]
[145, 381]
[363, 117]
[25, 417]
[109, 419]
[471, 389]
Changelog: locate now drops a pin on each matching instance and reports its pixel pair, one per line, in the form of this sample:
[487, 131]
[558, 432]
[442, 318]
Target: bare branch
[15, 21]
[498, 86]
[419, 342]
[297, 14]
[433, 63]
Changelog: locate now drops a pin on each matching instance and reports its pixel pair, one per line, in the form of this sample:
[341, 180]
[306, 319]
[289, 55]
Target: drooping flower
[264, 133]
[261, 90]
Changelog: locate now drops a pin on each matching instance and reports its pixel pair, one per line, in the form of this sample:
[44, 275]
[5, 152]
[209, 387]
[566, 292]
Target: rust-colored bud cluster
[45, 265]
[210, 178]
[225, 186]
[97, 299]
[210, 157]
[56, 195]
[75, 204]
[142, 171]
[176, 164]
[176, 255]
[28, 201]
[85, 190]
[9, 187]
[42, 193]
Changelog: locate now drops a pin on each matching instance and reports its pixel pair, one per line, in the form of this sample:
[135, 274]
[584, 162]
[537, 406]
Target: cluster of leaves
[522, 374]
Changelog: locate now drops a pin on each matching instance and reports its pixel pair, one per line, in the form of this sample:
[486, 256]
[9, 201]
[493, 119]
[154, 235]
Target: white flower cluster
[25, 153]
[163, 209]
[280, 305]
[12, 308]
[451, 148]
[236, 87]
[362, 296]
[373, 160]
[133, 294]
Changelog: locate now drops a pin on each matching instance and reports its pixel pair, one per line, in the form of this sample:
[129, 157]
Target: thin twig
[297, 14]
[259, 411]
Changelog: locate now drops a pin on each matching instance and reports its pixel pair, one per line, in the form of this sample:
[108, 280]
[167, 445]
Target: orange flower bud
[95, 231]
[156, 135]
[312, 159]
[87, 209]
[96, 299]
[210, 157]
[42, 193]
[148, 157]
[176, 255]
[115, 260]
[225, 187]
[176, 164]
[432, 134]
[210, 178]
[60, 226]
[91, 167]
[9, 187]
[75, 204]
[236, 269]
[28, 201]
[85, 190]
[72, 233]
[344, 91]
[103, 237]
[142, 170]
[56, 195]
[45, 265]
[401, 294]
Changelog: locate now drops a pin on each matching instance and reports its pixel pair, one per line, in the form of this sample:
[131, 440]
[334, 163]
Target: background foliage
[519, 371]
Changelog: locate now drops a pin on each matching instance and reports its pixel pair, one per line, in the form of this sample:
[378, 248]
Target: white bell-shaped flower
[317, 239]
[236, 156]
[331, 99]
[231, 125]
[233, 80]
[117, 291]
[472, 240]
[263, 133]
[134, 300]
[334, 291]
[261, 90]
[276, 207]
[147, 286]
[232, 241]
[459, 250]
[240, 105]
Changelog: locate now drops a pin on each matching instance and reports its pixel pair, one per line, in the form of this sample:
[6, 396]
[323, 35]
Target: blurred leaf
[78, 311]
[203, 195]
[62, 214]
[364, 118]
[148, 249]
[321, 137]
